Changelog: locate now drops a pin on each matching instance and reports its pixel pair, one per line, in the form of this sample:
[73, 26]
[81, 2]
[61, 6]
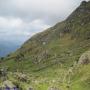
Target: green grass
[47, 65]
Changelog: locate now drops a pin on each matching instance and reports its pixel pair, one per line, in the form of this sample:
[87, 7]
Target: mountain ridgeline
[55, 54]
[75, 29]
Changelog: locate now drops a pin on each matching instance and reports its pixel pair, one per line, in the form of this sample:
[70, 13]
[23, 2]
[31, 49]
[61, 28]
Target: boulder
[85, 58]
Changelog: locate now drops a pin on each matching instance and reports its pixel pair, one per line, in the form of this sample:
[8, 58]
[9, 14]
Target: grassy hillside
[50, 59]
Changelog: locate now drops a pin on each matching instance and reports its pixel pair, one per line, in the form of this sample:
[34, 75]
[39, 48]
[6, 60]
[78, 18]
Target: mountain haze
[7, 47]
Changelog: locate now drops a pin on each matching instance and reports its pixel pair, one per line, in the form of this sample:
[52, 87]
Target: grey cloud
[50, 11]
[36, 15]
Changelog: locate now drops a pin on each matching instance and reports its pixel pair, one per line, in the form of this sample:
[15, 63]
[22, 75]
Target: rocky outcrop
[85, 58]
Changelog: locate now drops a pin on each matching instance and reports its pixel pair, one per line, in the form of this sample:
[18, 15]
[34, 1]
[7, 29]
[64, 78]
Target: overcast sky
[20, 19]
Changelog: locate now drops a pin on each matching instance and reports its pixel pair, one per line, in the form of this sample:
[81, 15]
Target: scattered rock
[30, 88]
[3, 71]
[53, 88]
[21, 77]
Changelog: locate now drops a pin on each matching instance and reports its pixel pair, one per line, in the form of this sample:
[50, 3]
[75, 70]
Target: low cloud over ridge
[20, 19]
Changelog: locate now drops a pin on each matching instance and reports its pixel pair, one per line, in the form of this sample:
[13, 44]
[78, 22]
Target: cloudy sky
[20, 19]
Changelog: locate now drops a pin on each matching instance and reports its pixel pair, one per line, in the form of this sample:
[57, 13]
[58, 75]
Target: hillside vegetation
[56, 59]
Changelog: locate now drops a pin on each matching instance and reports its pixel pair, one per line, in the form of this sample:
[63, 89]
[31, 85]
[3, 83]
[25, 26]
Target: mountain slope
[50, 58]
